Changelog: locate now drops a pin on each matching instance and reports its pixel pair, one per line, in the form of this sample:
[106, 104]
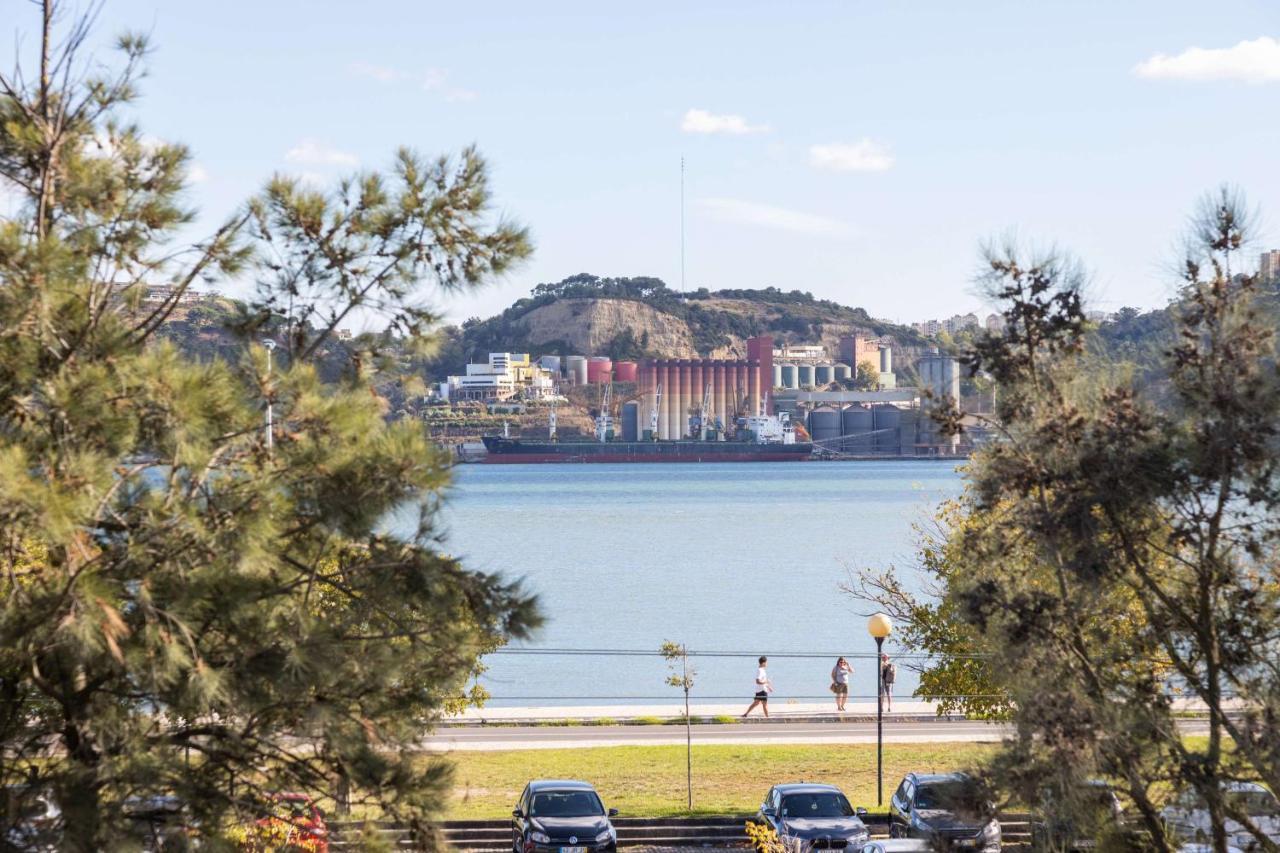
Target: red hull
[522, 458]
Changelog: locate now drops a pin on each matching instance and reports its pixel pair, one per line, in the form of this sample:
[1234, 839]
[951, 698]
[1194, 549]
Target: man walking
[763, 688]
[888, 674]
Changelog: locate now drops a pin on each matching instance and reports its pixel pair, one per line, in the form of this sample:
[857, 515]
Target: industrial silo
[887, 420]
[630, 421]
[790, 376]
[777, 376]
[625, 371]
[824, 374]
[824, 424]
[599, 369]
[804, 375]
[575, 367]
[886, 360]
[856, 424]
[842, 371]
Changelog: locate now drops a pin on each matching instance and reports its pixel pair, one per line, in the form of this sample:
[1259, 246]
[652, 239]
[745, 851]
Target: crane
[706, 424]
[653, 413]
[604, 423]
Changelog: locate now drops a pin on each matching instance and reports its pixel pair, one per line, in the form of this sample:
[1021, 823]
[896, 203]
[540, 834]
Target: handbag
[835, 688]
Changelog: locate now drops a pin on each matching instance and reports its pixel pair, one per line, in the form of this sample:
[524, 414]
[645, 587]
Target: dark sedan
[947, 809]
[813, 817]
[561, 816]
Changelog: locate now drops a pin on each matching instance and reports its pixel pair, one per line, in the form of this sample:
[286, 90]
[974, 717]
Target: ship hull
[516, 451]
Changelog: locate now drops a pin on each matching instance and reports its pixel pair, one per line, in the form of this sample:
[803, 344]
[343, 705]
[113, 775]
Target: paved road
[556, 737]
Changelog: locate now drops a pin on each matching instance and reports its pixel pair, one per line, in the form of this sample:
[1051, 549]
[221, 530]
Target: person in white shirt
[763, 688]
[840, 682]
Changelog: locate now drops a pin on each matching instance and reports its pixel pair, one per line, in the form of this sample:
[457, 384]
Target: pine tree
[191, 606]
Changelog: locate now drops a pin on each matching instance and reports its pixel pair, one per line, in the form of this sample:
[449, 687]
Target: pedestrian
[763, 688]
[840, 682]
[888, 674]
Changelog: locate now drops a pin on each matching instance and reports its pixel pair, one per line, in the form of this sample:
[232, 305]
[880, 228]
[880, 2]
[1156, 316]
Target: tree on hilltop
[192, 607]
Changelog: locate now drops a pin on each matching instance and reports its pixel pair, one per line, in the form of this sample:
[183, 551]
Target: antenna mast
[682, 285]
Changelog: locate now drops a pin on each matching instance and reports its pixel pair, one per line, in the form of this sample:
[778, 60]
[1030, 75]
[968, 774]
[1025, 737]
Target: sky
[861, 150]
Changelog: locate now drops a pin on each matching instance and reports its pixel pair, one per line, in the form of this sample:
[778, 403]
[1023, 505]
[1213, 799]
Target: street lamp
[879, 627]
[270, 344]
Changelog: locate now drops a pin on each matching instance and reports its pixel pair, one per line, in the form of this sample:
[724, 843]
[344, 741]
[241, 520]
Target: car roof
[560, 785]
[901, 845]
[806, 788]
[930, 778]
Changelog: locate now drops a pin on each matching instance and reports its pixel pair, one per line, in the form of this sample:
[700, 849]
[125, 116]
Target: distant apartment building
[995, 323]
[504, 376]
[1269, 266]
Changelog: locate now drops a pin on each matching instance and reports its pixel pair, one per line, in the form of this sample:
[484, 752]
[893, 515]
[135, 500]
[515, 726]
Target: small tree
[682, 675]
[868, 376]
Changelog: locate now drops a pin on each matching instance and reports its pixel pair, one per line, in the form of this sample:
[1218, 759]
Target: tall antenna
[682, 224]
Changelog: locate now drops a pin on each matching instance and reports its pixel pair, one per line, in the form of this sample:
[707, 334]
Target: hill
[639, 317]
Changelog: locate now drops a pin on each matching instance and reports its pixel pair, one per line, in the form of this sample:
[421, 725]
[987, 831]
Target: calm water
[728, 557]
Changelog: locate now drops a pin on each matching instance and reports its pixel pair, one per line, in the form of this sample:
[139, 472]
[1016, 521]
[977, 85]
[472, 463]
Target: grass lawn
[645, 781]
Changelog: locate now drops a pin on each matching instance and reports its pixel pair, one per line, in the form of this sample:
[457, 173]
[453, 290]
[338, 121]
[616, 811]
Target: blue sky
[859, 150]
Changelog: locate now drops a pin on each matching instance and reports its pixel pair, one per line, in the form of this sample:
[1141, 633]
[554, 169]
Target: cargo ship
[515, 450]
[757, 438]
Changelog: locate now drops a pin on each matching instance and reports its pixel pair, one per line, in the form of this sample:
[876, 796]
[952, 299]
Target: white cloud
[197, 174]
[701, 121]
[434, 80]
[1256, 61]
[767, 216]
[865, 155]
[309, 152]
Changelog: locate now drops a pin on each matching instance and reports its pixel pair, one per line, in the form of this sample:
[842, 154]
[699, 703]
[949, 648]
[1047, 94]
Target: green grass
[647, 721]
[650, 780]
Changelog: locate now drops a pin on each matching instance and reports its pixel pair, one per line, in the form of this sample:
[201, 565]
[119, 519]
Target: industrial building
[731, 387]
[504, 376]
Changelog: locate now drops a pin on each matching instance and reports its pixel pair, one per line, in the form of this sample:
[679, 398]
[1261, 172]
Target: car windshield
[816, 805]
[952, 796]
[566, 804]
[1252, 803]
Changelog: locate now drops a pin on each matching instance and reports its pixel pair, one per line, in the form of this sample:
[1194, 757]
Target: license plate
[573, 850]
[965, 842]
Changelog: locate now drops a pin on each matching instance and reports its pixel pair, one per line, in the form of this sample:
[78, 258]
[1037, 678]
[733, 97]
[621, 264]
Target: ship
[758, 438]
[516, 450]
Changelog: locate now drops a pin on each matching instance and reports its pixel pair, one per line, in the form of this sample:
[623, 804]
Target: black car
[1079, 817]
[950, 809]
[813, 817]
[561, 816]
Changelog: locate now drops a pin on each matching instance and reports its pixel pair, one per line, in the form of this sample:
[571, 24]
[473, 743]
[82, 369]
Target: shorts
[762, 696]
[842, 689]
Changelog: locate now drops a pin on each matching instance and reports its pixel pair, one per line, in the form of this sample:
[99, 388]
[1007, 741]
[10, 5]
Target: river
[733, 557]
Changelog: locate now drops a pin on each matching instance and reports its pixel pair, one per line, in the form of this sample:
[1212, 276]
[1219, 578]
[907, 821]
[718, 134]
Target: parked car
[160, 823]
[896, 845]
[1078, 818]
[561, 816]
[32, 820]
[948, 809]
[809, 816]
[1187, 817]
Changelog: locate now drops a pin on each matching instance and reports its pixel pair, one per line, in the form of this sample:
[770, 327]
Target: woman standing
[840, 682]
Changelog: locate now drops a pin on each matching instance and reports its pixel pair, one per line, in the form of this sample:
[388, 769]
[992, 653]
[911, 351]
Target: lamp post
[270, 344]
[879, 627]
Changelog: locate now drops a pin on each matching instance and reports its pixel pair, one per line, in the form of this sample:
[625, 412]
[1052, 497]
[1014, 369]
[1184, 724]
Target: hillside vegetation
[639, 317]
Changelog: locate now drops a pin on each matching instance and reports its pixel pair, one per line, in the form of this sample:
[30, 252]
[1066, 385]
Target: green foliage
[187, 610]
[1114, 552]
[868, 376]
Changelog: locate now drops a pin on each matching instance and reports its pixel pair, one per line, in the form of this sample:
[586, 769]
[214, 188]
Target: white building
[504, 376]
[800, 352]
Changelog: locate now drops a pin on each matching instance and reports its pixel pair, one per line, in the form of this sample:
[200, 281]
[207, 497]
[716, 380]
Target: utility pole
[270, 344]
[682, 283]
